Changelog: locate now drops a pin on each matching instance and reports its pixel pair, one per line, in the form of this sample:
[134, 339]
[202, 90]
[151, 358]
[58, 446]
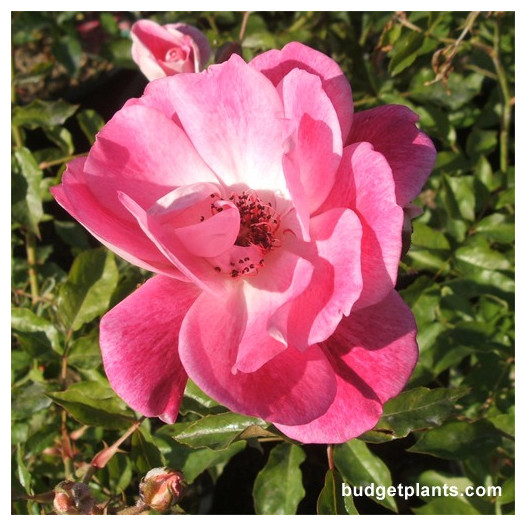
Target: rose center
[258, 225]
[176, 54]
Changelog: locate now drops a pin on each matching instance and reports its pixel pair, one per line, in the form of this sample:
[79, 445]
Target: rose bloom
[272, 216]
[160, 51]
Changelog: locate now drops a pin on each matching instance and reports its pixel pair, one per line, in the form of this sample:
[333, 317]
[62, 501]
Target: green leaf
[217, 431]
[278, 488]
[193, 462]
[26, 198]
[68, 52]
[72, 234]
[481, 142]
[459, 440]
[120, 473]
[497, 227]
[145, 453]
[406, 50]
[481, 256]
[62, 138]
[84, 353]
[427, 237]
[42, 114]
[195, 393]
[42, 331]
[433, 485]
[90, 123]
[460, 91]
[431, 478]
[359, 466]
[508, 491]
[446, 506]
[419, 408]
[94, 404]
[24, 475]
[331, 500]
[109, 24]
[461, 190]
[28, 400]
[87, 292]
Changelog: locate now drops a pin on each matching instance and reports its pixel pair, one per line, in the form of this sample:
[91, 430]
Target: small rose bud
[162, 488]
[73, 498]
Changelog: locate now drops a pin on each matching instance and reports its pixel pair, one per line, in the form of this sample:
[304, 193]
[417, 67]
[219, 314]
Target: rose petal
[194, 268]
[144, 154]
[122, 236]
[275, 64]
[365, 183]
[294, 387]
[318, 149]
[335, 285]
[373, 352]
[285, 277]
[138, 339]
[410, 153]
[233, 115]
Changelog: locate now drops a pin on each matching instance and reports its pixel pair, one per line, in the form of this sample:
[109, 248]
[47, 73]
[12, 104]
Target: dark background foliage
[453, 425]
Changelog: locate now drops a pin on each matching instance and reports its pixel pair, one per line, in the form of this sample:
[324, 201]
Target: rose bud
[161, 51]
[74, 498]
[162, 488]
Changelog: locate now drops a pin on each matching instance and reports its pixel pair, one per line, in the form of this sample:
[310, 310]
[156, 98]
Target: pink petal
[276, 64]
[121, 235]
[335, 285]
[318, 147]
[294, 387]
[186, 213]
[284, 278]
[144, 154]
[373, 352]
[365, 184]
[411, 154]
[233, 116]
[194, 268]
[212, 236]
[138, 339]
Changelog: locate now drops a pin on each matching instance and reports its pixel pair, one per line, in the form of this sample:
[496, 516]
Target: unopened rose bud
[74, 498]
[162, 488]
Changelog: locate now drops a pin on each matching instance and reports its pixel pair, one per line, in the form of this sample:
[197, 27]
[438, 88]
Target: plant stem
[32, 262]
[246, 14]
[506, 103]
[139, 508]
[330, 456]
[56, 162]
[104, 456]
[67, 454]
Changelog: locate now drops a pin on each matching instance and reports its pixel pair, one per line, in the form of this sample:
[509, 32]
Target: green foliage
[278, 487]
[94, 404]
[359, 466]
[331, 501]
[454, 424]
[87, 291]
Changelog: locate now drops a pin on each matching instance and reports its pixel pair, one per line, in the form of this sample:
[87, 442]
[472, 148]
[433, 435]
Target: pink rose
[273, 218]
[160, 51]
